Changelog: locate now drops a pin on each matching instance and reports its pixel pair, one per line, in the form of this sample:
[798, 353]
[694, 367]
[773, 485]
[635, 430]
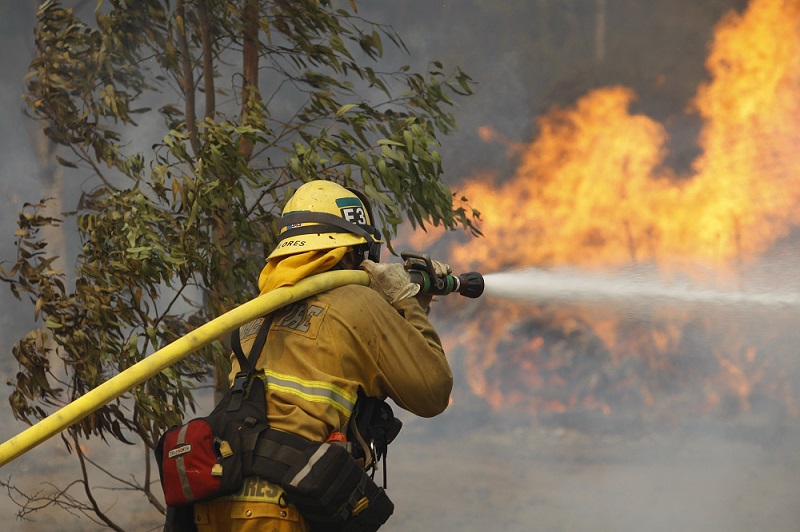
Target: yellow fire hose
[171, 354]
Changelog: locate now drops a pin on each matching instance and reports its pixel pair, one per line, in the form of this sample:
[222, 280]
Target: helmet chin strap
[361, 253]
[368, 251]
[373, 249]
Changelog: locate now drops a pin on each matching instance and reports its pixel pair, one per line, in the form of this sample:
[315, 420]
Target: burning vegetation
[592, 192]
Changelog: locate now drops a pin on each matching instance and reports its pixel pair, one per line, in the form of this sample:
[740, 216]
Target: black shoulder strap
[247, 365]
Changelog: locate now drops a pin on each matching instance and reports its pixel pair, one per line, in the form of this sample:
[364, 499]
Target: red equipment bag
[205, 458]
[192, 464]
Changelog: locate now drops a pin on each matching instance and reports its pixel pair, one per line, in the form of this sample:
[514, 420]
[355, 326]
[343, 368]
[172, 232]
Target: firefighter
[322, 351]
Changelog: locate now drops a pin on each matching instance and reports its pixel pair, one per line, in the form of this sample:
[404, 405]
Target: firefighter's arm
[413, 364]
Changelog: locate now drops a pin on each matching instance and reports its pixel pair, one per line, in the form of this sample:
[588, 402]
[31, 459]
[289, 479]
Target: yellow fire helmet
[325, 215]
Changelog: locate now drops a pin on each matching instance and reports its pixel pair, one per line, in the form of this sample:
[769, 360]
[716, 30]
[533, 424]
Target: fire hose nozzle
[420, 268]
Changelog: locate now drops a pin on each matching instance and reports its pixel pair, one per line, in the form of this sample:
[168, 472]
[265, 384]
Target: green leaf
[343, 109]
[389, 142]
[388, 153]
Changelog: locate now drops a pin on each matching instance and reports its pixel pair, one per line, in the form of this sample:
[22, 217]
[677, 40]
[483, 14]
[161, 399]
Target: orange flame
[592, 190]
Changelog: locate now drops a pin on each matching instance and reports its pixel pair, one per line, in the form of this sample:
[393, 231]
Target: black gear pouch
[334, 493]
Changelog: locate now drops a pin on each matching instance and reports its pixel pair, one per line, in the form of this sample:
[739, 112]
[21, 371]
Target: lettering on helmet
[352, 210]
[355, 215]
[287, 243]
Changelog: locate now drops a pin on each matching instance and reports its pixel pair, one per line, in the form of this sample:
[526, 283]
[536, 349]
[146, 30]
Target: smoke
[695, 452]
[557, 480]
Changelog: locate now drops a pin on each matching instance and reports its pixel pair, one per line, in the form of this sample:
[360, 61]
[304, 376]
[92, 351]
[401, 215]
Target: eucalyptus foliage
[188, 123]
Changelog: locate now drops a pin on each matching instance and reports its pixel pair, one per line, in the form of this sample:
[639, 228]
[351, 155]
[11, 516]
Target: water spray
[628, 287]
[420, 268]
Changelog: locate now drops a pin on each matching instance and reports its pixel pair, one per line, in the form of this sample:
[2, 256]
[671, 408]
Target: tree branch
[187, 77]
[88, 490]
[148, 474]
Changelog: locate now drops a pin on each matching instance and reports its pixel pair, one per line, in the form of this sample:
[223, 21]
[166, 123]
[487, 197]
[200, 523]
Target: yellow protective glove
[390, 280]
[440, 268]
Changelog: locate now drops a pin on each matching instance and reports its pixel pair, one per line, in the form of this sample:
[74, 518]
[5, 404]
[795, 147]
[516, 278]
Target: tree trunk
[250, 93]
[600, 31]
